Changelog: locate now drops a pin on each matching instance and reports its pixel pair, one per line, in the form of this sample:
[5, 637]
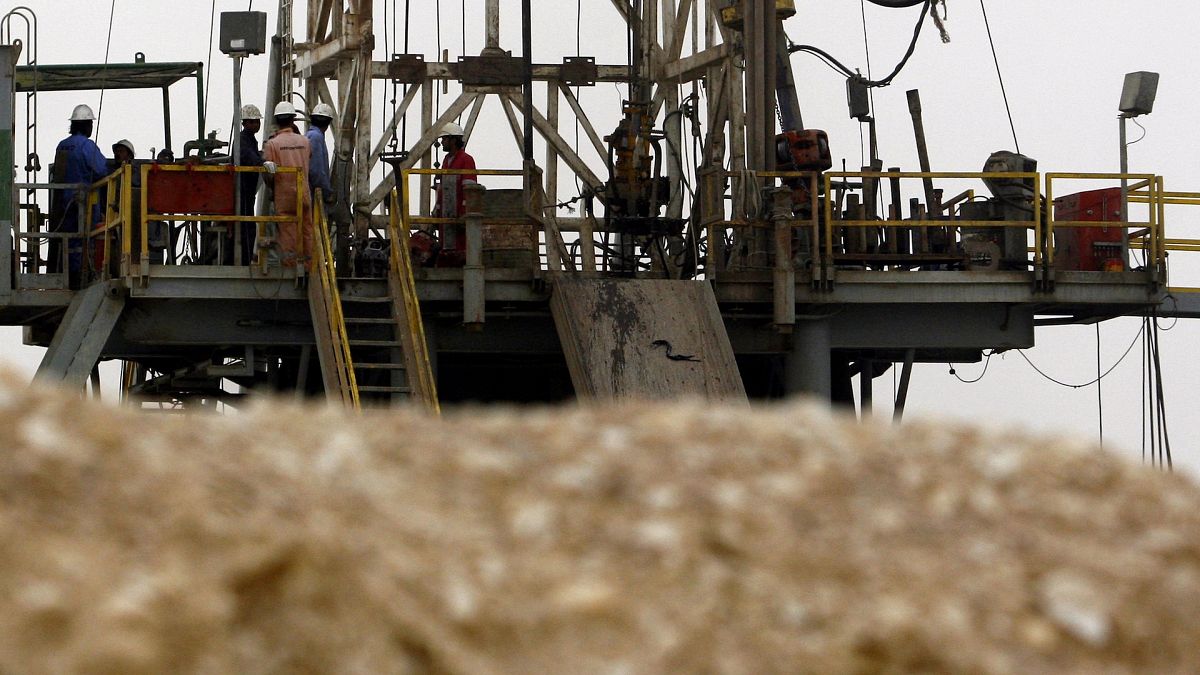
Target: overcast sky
[1063, 64]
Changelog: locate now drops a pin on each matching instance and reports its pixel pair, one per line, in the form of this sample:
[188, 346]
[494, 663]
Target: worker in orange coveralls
[288, 148]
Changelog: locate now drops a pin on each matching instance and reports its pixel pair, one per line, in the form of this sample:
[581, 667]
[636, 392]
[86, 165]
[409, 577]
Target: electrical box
[858, 98]
[243, 32]
[1137, 96]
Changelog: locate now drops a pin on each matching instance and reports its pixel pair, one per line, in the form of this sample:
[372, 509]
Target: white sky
[1063, 64]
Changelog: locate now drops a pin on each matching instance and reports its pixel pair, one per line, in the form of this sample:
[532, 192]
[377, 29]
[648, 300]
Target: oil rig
[746, 269]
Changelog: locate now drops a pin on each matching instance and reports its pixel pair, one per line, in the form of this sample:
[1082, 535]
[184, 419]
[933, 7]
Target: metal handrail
[323, 265]
[402, 268]
[1035, 223]
[147, 217]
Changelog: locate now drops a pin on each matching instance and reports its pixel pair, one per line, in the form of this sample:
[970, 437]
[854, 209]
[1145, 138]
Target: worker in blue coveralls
[318, 166]
[76, 160]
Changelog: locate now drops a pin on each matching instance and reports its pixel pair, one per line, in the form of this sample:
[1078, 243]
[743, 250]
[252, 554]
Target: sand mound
[629, 540]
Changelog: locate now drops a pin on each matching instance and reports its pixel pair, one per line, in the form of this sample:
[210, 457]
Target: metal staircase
[372, 347]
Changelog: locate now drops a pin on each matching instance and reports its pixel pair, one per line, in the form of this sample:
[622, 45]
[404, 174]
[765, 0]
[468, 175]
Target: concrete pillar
[806, 367]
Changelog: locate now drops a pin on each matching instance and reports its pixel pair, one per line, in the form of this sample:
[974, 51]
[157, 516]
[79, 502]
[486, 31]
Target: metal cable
[112, 9]
[1000, 76]
[984, 372]
[1089, 383]
[838, 66]
[212, 20]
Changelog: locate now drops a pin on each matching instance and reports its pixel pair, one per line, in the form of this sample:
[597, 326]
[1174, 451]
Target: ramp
[644, 338]
[80, 338]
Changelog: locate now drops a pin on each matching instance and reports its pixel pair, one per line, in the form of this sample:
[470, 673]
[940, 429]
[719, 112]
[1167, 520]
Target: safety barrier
[194, 194]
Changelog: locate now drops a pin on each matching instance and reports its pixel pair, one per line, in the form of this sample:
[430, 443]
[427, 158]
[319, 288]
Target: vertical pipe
[199, 101]
[1124, 191]
[914, 109]
[473, 289]
[166, 95]
[785, 271]
[898, 235]
[527, 103]
[235, 150]
[807, 366]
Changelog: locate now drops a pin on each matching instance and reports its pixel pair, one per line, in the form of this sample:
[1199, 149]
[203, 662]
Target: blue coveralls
[318, 165]
[84, 164]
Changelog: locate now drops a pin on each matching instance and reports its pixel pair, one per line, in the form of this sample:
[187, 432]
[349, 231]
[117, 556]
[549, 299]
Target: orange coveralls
[288, 148]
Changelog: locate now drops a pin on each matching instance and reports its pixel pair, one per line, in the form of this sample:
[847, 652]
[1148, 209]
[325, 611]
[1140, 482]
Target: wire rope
[212, 20]
[112, 10]
[1003, 91]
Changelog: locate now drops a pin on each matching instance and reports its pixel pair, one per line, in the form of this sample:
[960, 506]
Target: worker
[123, 152]
[318, 170]
[451, 197]
[249, 155]
[77, 159]
[287, 148]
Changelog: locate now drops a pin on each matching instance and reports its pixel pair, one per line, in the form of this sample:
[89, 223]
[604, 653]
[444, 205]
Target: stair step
[379, 366]
[370, 320]
[366, 298]
[384, 390]
[375, 343]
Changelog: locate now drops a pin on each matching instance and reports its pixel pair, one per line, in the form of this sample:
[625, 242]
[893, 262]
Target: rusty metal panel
[200, 192]
[579, 71]
[406, 69]
[486, 71]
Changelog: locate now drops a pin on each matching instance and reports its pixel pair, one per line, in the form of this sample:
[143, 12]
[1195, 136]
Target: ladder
[372, 347]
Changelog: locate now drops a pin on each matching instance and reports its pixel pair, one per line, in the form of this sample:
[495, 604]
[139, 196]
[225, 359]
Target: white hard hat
[82, 113]
[251, 112]
[322, 110]
[284, 108]
[452, 129]
[125, 144]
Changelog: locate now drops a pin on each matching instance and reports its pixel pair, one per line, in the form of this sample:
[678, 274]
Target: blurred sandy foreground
[618, 541]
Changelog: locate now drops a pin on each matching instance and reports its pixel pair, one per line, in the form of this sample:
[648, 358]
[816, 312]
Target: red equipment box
[1089, 249]
[193, 191]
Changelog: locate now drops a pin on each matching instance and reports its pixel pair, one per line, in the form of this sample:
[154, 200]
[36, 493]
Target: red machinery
[1089, 249]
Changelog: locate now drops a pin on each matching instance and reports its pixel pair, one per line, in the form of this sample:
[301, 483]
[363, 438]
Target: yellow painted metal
[1150, 182]
[323, 266]
[421, 369]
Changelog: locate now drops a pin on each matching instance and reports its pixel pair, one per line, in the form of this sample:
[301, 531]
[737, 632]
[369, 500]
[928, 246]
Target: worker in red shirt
[450, 195]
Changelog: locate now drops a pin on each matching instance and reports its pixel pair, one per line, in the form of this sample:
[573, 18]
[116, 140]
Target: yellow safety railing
[1140, 194]
[714, 227]
[1035, 223]
[323, 268]
[424, 387]
[147, 217]
[1150, 188]
[408, 220]
[116, 191]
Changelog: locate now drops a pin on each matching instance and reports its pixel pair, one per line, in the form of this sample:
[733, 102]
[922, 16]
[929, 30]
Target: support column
[806, 367]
